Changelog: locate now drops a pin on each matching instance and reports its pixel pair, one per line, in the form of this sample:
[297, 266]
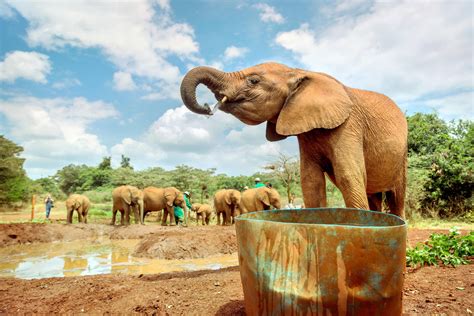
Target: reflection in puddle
[84, 257]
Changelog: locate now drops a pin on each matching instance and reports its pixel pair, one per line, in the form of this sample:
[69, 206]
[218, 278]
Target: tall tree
[287, 170]
[106, 163]
[125, 163]
[13, 180]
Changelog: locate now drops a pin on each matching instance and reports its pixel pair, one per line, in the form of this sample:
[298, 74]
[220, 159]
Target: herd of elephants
[357, 138]
[228, 203]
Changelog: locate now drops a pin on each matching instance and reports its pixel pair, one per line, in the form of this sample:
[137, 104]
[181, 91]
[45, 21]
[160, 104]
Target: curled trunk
[208, 76]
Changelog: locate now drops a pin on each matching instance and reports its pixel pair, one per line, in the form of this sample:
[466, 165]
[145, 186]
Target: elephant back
[154, 198]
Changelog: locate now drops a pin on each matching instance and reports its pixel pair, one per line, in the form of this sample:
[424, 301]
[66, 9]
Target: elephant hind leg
[396, 202]
[375, 201]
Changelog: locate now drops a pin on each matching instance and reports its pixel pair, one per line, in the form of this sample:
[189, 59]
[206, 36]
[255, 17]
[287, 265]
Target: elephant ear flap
[315, 101]
[126, 195]
[262, 196]
[170, 196]
[227, 198]
[272, 134]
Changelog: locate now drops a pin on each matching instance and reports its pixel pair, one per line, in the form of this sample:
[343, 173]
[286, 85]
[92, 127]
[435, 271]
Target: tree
[125, 163]
[426, 132]
[13, 180]
[106, 163]
[71, 178]
[287, 170]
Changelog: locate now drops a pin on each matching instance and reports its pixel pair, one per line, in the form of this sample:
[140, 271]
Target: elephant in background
[157, 199]
[127, 198]
[357, 138]
[227, 203]
[260, 199]
[202, 210]
[79, 203]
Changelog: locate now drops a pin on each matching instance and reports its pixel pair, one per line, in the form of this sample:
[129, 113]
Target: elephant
[357, 138]
[202, 210]
[259, 199]
[227, 203]
[157, 199]
[124, 199]
[79, 203]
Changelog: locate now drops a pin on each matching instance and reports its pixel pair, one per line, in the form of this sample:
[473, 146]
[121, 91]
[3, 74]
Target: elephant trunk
[208, 76]
[141, 211]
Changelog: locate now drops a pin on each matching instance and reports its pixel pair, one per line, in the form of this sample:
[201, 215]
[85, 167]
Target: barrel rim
[242, 218]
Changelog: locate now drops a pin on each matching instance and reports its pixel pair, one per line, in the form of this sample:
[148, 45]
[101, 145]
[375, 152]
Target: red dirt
[429, 290]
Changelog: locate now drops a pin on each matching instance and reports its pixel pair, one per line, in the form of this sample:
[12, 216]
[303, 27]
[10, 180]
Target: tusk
[218, 105]
[224, 99]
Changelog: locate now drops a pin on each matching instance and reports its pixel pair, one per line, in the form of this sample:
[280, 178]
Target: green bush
[448, 249]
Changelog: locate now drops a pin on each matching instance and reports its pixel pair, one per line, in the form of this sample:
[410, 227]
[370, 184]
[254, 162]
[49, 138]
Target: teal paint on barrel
[321, 262]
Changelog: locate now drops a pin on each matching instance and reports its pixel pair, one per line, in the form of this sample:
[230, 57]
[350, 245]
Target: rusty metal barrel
[330, 261]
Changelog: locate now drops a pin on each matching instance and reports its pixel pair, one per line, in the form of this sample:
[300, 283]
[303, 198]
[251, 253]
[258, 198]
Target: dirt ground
[429, 290]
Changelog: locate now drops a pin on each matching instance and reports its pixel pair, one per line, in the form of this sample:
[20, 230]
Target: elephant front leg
[350, 179]
[313, 183]
[164, 217]
[114, 215]
[69, 216]
[79, 215]
[172, 217]
[122, 218]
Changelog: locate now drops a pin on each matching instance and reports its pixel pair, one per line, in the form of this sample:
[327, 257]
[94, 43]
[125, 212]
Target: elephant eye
[254, 80]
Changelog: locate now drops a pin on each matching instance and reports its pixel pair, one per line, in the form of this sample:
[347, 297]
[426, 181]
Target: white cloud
[456, 106]
[393, 49]
[27, 65]
[55, 131]
[221, 141]
[66, 83]
[5, 11]
[123, 81]
[233, 52]
[269, 13]
[136, 36]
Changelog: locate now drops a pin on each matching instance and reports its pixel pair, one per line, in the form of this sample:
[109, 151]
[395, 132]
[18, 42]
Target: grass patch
[448, 249]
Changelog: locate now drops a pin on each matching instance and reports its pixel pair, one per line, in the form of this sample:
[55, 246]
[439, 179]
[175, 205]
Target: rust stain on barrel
[320, 261]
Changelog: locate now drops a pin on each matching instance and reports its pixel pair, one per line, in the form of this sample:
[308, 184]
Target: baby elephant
[79, 203]
[202, 210]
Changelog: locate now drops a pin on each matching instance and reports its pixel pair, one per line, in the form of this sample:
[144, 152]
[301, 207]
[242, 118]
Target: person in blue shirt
[258, 183]
[49, 203]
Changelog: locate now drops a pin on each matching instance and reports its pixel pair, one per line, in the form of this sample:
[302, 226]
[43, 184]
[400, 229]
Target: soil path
[429, 290]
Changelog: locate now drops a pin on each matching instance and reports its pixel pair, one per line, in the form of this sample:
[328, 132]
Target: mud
[429, 290]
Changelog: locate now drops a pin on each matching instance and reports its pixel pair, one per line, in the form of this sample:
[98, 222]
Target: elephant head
[195, 207]
[269, 197]
[133, 197]
[292, 101]
[232, 198]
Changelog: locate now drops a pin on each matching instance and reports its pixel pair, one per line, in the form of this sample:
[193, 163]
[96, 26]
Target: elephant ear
[228, 197]
[272, 134]
[126, 195]
[263, 196]
[170, 196]
[315, 101]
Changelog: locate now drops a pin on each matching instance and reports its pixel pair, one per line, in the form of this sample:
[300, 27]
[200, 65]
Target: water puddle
[84, 257]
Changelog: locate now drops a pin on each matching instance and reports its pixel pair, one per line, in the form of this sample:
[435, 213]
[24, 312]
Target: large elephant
[127, 198]
[227, 204]
[79, 203]
[157, 199]
[202, 210]
[357, 137]
[259, 199]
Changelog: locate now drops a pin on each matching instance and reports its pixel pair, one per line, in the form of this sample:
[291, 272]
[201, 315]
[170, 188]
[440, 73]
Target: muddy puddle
[63, 259]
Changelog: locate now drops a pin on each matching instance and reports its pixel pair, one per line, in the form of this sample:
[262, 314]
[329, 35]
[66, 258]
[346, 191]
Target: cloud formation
[26, 65]
[269, 14]
[392, 50]
[123, 81]
[137, 37]
[55, 131]
[233, 52]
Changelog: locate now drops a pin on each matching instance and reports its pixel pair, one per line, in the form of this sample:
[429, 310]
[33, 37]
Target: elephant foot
[172, 224]
[164, 224]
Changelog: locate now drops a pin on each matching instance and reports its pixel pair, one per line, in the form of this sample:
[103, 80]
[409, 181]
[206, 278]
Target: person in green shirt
[179, 212]
[258, 183]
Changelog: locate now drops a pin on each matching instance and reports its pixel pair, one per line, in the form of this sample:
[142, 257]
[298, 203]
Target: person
[268, 185]
[179, 212]
[258, 183]
[49, 203]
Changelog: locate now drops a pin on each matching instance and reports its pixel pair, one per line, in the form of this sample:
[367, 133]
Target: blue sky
[80, 80]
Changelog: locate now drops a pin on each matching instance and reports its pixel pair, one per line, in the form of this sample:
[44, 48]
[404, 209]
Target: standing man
[258, 183]
[49, 203]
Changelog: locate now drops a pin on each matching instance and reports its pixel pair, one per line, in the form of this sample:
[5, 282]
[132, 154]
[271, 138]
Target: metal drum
[322, 262]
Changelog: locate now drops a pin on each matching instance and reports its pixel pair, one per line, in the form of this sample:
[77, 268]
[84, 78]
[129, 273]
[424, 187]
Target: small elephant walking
[260, 199]
[79, 203]
[127, 198]
[157, 199]
[357, 138]
[227, 204]
[202, 211]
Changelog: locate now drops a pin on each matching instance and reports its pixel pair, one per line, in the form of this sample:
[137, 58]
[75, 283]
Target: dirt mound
[181, 243]
[11, 234]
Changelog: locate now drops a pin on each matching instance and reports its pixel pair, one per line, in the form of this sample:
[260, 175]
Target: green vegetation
[448, 249]
[440, 174]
